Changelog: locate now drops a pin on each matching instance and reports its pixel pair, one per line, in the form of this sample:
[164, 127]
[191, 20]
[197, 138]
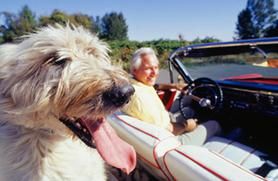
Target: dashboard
[252, 97]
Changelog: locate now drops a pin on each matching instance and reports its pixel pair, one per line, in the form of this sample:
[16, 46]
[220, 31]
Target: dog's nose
[119, 95]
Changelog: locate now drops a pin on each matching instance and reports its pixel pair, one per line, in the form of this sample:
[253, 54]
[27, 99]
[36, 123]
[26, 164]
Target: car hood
[256, 78]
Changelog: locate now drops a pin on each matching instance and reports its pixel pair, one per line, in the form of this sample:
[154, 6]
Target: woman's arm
[164, 86]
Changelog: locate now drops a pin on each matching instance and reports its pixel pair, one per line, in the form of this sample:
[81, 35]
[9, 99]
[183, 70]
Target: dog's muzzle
[119, 96]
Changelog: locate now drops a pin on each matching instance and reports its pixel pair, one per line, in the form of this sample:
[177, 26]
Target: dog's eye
[54, 59]
[60, 61]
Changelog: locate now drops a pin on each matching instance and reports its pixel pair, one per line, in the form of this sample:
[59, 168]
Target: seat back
[167, 97]
[199, 163]
[149, 141]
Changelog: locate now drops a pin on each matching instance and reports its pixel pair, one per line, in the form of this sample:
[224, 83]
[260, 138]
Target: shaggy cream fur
[53, 72]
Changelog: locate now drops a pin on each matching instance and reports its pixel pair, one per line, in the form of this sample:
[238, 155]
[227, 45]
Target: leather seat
[241, 154]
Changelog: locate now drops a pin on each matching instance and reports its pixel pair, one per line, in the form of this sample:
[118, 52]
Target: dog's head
[60, 73]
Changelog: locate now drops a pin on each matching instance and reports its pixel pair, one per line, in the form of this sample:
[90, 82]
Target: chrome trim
[251, 91]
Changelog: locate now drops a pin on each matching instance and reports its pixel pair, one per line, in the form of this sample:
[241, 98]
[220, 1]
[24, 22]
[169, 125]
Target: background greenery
[258, 19]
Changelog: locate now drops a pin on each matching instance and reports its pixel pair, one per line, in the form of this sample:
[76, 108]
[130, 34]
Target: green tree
[245, 28]
[56, 16]
[83, 20]
[26, 20]
[17, 25]
[97, 24]
[255, 19]
[207, 39]
[272, 30]
[60, 17]
[114, 27]
[263, 14]
[9, 26]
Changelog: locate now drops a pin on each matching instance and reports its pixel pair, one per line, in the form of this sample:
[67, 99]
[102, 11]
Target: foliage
[245, 27]
[26, 20]
[17, 25]
[114, 27]
[122, 50]
[1, 39]
[263, 13]
[207, 39]
[256, 19]
[111, 27]
[272, 30]
[56, 16]
[63, 18]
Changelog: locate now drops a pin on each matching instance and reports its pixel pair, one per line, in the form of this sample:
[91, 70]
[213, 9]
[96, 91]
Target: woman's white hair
[136, 59]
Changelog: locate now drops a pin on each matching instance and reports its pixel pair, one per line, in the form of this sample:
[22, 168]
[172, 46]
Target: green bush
[121, 51]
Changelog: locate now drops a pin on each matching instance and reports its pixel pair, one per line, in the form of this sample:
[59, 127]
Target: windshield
[219, 67]
[224, 60]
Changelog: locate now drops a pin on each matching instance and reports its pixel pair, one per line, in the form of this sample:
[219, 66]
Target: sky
[152, 19]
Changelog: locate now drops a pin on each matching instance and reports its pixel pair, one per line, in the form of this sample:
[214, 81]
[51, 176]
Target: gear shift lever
[203, 102]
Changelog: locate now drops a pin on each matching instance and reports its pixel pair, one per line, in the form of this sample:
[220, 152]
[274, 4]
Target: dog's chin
[80, 129]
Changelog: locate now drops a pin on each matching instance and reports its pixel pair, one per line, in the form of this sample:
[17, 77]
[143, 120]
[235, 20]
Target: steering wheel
[203, 90]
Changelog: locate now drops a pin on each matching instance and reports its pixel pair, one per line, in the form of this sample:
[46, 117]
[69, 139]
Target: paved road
[220, 71]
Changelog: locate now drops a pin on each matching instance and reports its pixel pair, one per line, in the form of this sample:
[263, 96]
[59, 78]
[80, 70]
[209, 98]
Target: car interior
[246, 106]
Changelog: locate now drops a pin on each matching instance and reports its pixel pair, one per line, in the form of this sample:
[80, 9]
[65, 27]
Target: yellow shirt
[147, 106]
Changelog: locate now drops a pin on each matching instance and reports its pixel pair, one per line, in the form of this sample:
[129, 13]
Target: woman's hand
[180, 86]
[178, 129]
[190, 125]
[177, 86]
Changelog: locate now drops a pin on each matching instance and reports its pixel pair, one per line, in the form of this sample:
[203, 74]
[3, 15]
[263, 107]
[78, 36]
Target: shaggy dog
[57, 86]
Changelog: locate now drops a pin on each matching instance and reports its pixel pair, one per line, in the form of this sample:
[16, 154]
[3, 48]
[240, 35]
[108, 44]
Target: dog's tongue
[112, 149]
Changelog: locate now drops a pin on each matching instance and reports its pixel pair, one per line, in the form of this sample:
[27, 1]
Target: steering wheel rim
[202, 83]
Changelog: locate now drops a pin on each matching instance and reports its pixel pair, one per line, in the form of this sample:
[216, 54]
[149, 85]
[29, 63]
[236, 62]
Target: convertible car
[245, 105]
